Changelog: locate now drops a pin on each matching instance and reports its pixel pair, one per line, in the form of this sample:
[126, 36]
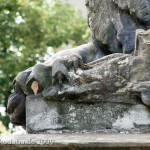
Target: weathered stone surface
[103, 117]
[76, 142]
[113, 89]
[114, 22]
[108, 96]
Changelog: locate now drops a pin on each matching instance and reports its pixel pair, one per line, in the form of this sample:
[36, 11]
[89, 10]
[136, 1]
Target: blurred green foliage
[27, 29]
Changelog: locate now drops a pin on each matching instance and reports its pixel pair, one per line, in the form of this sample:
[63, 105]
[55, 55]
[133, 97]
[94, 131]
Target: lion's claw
[59, 73]
[74, 62]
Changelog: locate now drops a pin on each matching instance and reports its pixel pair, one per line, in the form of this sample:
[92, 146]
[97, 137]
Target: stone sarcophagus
[110, 95]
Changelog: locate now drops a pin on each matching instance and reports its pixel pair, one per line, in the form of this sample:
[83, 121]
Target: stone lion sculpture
[113, 24]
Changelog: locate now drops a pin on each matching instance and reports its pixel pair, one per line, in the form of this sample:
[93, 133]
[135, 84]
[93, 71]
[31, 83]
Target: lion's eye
[35, 87]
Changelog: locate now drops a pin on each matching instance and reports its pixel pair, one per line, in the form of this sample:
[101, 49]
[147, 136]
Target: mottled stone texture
[114, 22]
[101, 86]
[71, 117]
[111, 95]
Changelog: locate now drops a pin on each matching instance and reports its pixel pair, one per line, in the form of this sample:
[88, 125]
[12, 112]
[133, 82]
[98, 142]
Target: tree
[27, 29]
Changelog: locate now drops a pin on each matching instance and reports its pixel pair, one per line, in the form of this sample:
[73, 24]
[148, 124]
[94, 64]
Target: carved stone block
[110, 95]
[104, 117]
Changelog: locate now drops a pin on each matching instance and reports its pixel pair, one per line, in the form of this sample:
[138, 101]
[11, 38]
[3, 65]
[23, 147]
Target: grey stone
[76, 142]
[72, 117]
[106, 97]
[108, 92]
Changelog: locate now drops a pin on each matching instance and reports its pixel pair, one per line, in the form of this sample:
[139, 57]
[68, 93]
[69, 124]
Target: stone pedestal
[76, 142]
[110, 95]
[45, 116]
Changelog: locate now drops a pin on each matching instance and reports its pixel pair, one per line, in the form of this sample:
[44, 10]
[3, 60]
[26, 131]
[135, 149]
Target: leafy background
[30, 32]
